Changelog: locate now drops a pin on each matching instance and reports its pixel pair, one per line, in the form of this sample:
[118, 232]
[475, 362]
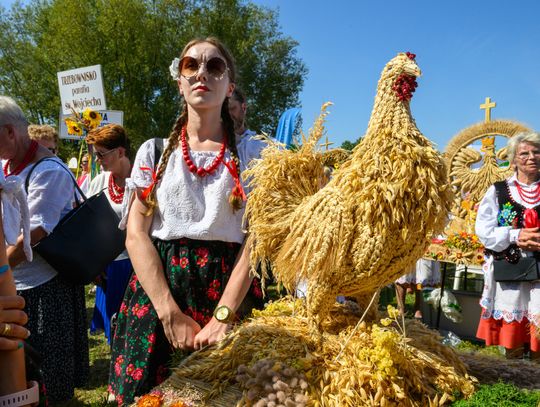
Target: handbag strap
[158, 150]
[77, 188]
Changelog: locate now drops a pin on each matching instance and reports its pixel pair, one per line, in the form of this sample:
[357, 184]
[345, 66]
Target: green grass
[501, 395]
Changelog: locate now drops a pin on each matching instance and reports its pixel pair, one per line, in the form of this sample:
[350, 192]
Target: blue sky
[467, 50]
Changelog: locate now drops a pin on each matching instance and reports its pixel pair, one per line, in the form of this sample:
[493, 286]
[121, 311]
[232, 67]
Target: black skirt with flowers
[197, 271]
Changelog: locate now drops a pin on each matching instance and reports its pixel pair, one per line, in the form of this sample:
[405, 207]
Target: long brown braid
[173, 141]
[228, 123]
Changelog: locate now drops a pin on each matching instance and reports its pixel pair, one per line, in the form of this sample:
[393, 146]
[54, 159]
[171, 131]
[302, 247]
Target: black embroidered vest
[510, 214]
[504, 198]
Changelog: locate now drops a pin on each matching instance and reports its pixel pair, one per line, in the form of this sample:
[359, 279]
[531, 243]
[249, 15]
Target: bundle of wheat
[282, 178]
[490, 369]
[390, 363]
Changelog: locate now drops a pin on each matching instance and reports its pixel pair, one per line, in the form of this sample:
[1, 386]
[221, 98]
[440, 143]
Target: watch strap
[21, 398]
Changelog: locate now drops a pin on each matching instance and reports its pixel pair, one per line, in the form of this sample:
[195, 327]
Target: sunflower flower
[91, 118]
[74, 127]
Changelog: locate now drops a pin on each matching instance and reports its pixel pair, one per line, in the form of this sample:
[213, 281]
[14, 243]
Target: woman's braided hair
[181, 121]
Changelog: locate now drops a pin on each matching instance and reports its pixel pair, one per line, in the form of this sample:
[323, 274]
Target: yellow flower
[392, 311]
[74, 127]
[91, 118]
[386, 321]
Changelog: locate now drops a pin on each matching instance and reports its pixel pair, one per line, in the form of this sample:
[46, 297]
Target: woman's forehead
[526, 145]
[203, 50]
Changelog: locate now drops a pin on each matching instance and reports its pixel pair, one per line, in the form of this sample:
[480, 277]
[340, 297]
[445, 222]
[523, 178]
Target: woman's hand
[529, 239]
[179, 329]
[12, 319]
[212, 332]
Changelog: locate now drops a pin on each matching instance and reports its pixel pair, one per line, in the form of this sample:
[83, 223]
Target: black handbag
[526, 269]
[85, 241]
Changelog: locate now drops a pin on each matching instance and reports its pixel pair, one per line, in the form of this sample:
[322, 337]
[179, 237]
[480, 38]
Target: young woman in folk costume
[184, 229]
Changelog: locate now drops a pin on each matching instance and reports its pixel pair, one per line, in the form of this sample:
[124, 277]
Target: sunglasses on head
[216, 67]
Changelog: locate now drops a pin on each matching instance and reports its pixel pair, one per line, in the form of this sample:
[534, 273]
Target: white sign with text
[81, 88]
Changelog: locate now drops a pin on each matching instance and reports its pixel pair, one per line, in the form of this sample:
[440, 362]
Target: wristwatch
[224, 314]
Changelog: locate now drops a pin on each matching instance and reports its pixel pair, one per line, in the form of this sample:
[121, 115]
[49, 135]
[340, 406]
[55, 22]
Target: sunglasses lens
[216, 67]
[188, 67]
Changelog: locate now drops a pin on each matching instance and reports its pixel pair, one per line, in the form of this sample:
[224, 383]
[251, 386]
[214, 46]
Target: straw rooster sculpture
[370, 222]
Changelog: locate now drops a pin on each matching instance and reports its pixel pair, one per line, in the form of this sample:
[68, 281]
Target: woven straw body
[370, 223]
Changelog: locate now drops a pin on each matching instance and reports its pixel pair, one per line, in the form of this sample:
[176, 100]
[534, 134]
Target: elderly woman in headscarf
[507, 225]
[55, 308]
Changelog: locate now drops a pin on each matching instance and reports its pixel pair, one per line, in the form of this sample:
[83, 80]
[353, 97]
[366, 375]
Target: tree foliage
[135, 42]
[349, 145]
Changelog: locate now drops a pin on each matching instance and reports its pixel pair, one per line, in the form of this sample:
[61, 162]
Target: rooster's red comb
[410, 55]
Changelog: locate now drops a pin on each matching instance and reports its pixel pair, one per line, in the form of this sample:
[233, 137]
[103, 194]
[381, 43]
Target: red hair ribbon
[237, 190]
[148, 190]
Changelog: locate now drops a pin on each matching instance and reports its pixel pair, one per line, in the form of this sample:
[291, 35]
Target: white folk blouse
[508, 301]
[188, 205]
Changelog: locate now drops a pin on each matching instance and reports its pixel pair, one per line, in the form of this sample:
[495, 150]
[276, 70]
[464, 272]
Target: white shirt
[508, 301]
[188, 205]
[101, 183]
[50, 197]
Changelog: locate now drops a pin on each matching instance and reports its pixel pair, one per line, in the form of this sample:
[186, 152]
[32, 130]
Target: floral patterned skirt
[197, 272]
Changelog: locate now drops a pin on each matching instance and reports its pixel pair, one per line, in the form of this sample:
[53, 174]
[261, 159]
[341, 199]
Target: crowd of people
[184, 276]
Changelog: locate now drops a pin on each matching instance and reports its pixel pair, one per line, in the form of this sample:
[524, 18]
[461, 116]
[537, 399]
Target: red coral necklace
[531, 197]
[28, 158]
[115, 192]
[202, 171]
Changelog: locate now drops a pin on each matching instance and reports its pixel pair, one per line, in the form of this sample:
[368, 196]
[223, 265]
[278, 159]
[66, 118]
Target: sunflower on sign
[74, 127]
[79, 124]
[91, 118]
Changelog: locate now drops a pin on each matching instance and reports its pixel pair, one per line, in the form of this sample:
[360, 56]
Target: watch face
[222, 313]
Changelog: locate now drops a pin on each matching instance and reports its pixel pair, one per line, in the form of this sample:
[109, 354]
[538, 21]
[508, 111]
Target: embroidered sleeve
[492, 235]
[140, 178]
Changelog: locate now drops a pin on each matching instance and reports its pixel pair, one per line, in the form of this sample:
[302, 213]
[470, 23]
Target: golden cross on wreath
[326, 144]
[488, 105]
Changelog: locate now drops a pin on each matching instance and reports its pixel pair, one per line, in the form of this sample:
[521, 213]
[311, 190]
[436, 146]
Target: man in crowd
[237, 110]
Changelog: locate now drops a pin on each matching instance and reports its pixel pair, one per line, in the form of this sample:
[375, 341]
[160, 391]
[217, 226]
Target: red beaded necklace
[28, 158]
[201, 172]
[115, 192]
[530, 197]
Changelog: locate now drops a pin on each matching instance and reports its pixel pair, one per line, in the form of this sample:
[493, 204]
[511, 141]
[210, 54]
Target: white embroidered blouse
[188, 205]
[508, 301]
